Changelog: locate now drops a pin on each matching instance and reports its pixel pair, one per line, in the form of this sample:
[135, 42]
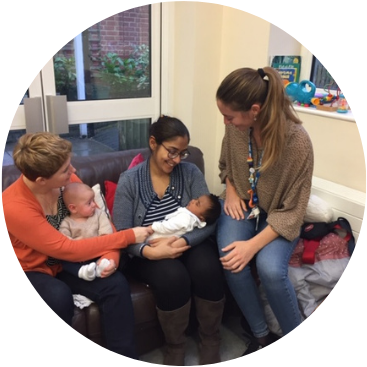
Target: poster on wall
[289, 67]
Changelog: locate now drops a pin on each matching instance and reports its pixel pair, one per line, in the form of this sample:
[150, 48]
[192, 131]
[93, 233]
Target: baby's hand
[101, 266]
[107, 267]
[141, 233]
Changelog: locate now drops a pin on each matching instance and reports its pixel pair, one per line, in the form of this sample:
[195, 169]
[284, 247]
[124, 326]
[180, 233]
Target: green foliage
[65, 74]
[125, 75]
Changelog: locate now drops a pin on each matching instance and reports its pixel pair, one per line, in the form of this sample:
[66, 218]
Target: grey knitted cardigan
[134, 194]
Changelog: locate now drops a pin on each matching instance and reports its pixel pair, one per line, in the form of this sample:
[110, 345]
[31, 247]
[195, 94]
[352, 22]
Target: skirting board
[346, 202]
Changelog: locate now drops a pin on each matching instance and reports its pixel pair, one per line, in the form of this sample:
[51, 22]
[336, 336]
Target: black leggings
[112, 295]
[198, 271]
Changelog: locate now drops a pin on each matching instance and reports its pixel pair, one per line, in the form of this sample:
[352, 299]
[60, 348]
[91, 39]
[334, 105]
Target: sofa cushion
[100, 199]
[136, 160]
[10, 174]
[110, 189]
[105, 167]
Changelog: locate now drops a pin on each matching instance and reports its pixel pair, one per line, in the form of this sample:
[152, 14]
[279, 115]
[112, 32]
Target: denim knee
[230, 230]
[270, 275]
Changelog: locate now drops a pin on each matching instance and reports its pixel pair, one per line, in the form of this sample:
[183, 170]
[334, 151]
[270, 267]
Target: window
[110, 75]
[328, 96]
[321, 77]
[26, 95]
[109, 60]
[312, 69]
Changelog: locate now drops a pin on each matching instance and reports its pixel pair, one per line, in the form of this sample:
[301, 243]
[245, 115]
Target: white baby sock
[102, 265]
[88, 272]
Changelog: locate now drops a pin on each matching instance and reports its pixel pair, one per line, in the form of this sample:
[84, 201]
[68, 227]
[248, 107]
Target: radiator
[346, 202]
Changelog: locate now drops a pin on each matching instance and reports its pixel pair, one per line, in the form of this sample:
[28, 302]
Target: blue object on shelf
[301, 92]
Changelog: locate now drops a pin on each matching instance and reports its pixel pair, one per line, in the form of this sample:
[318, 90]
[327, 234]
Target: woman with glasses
[177, 269]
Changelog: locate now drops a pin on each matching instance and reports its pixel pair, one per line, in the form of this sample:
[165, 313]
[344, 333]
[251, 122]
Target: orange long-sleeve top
[34, 239]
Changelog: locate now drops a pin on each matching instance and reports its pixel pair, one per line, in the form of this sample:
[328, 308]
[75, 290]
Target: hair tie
[261, 73]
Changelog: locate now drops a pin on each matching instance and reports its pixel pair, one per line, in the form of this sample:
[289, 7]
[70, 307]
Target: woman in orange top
[34, 209]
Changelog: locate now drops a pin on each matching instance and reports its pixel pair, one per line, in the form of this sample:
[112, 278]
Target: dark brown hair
[213, 212]
[168, 128]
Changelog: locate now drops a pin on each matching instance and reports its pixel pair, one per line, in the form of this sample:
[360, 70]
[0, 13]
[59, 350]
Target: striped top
[135, 196]
[159, 208]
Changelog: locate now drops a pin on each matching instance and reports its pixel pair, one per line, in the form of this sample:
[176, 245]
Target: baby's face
[86, 205]
[199, 206]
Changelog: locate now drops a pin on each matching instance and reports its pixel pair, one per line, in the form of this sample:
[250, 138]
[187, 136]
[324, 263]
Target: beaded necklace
[253, 179]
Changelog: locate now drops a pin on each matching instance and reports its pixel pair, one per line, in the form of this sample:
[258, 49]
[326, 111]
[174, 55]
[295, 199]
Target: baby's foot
[88, 272]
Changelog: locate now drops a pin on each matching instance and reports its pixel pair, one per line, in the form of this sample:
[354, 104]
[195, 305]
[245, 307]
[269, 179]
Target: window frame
[80, 112]
[306, 69]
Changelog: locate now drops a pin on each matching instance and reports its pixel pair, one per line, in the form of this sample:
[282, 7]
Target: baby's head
[206, 207]
[79, 199]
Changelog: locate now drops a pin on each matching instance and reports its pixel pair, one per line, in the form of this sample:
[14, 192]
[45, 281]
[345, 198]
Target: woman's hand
[165, 248]
[240, 254]
[141, 233]
[180, 243]
[109, 270]
[234, 205]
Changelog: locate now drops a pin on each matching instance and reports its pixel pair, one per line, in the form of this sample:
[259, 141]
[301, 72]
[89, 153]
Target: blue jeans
[272, 268]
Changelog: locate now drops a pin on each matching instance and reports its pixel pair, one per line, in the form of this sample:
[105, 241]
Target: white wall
[338, 150]
[281, 43]
[207, 41]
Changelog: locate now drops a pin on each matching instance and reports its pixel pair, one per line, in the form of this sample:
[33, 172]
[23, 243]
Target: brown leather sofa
[97, 169]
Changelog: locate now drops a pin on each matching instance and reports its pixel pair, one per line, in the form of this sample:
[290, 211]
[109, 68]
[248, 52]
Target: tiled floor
[233, 345]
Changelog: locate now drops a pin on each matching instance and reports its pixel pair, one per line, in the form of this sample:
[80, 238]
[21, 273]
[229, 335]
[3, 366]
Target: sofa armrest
[9, 175]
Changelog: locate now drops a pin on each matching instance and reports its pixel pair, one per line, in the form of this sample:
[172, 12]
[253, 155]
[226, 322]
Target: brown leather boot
[209, 315]
[174, 324]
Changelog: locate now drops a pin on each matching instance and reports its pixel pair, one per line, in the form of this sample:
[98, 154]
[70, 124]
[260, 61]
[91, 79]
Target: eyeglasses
[172, 154]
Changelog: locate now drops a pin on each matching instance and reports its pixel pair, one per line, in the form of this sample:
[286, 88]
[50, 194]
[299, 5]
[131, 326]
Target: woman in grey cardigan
[176, 268]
